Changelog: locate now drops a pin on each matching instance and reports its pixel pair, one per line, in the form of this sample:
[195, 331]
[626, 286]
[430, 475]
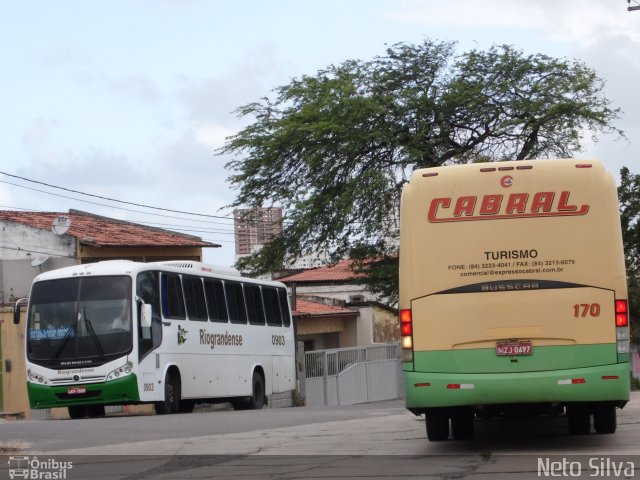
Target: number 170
[586, 310]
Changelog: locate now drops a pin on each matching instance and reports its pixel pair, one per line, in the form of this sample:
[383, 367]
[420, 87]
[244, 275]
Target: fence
[352, 375]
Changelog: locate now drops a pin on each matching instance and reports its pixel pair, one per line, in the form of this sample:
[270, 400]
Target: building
[322, 325]
[28, 245]
[255, 227]
[334, 309]
[337, 281]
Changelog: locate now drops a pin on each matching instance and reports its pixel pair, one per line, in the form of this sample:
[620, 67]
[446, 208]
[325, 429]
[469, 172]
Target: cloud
[84, 171]
[212, 135]
[38, 134]
[216, 98]
[137, 86]
[568, 20]
[616, 61]
[6, 198]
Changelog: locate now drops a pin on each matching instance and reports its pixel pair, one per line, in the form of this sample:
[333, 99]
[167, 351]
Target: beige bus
[513, 294]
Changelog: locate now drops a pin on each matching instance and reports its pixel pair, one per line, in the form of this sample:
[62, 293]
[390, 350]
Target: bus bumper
[605, 383]
[119, 391]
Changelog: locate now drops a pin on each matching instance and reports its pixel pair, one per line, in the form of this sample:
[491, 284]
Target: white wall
[19, 246]
[337, 292]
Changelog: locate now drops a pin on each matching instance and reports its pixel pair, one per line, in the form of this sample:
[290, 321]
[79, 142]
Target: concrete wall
[14, 380]
[337, 292]
[22, 244]
[16, 276]
[19, 240]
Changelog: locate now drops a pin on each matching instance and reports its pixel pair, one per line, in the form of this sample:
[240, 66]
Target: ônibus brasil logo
[38, 469]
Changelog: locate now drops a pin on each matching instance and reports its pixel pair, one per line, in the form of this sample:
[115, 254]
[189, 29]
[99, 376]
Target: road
[378, 440]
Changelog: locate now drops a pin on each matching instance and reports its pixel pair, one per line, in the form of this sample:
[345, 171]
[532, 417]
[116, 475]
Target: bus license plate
[514, 348]
[76, 390]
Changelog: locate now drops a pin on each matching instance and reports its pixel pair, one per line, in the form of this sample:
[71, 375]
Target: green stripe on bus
[544, 358]
[604, 383]
[119, 391]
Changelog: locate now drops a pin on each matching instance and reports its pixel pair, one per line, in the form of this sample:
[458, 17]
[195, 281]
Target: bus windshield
[75, 322]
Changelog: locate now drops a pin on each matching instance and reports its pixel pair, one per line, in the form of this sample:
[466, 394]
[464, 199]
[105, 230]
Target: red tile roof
[339, 272]
[106, 232]
[306, 308]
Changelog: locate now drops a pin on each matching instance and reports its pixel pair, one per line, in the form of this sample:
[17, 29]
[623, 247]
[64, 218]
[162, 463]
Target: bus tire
[437, 426]
[77, 411]
[257, 398]
[578, 419]
[462, 423]
[604, 418]
[171, 402]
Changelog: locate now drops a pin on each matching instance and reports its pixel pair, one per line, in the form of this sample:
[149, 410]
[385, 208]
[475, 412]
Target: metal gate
[347, 376]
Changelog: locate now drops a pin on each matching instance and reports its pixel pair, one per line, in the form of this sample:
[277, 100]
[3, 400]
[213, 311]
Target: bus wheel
[257, 399]
[604, 418]
[462, 423]
[95, 411]
[171, 402]
[77, 411]
[579, 419]
[437, 426]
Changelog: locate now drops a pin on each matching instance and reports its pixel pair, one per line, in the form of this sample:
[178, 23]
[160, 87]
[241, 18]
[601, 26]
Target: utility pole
[631, 8]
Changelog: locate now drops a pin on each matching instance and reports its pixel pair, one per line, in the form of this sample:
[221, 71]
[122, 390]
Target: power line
[30, 250]
[256, 222]
[108, 206]
[113, 199]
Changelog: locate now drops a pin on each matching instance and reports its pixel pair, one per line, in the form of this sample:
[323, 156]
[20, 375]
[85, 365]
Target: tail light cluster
[622, 326]
[406, 330]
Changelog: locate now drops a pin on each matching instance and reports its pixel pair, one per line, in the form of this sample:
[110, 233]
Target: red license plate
[76, 390]
[514, 348]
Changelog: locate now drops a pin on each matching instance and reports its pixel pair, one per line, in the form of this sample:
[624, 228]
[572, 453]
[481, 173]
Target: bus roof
[128, 267]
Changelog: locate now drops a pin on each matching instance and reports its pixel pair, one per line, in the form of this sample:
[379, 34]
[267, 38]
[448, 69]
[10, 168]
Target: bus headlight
[33, 377]
[120, 372]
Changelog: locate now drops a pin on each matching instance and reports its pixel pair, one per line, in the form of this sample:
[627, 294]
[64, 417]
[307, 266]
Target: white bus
[169, 333]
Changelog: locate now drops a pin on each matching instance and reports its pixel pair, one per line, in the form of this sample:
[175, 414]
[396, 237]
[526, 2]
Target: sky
[129, 99]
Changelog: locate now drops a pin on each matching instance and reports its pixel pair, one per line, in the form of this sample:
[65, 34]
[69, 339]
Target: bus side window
[172, 298]
[194, 297]
[147, 288]
[272, 306]
[255, 310]
[284, 307]
[214, 293]
[235, 302]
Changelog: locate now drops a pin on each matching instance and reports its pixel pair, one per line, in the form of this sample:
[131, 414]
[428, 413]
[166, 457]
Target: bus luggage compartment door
[514, 331]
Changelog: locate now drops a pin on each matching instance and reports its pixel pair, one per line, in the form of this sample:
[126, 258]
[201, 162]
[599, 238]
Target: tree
[335, 148]
[629, 200]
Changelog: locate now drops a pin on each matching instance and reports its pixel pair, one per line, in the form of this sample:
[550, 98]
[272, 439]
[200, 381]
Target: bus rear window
[272, 306]
[284, 307]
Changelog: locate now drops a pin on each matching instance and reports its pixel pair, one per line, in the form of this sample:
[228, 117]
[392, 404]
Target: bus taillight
[406, 329]
[622, 326]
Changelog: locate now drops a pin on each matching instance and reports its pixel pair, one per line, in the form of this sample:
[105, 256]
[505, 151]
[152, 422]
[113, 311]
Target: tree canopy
[334, 149]
[629, 200]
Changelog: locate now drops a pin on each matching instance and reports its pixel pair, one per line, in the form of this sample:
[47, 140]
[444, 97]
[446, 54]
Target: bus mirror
[145, 315]
[16, 310]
